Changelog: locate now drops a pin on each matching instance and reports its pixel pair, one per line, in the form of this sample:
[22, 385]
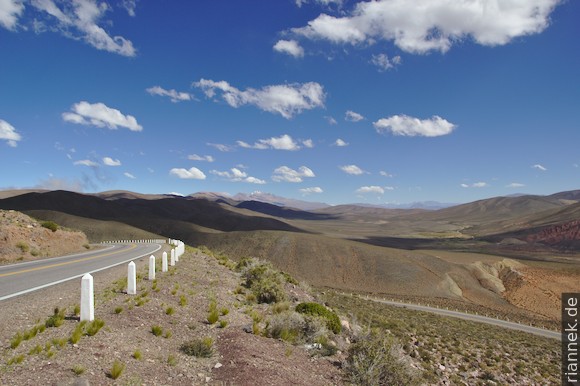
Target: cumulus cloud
[192, 173]
[432, 25]
[111, 162]
[173, 95]
[100, 115]
[539, 167]
[314, 189]
[80, 21]
[410, 126]
[10, 11]
[195, 157]
[284, 142]
[515, 185]
[9, 133]
[285, 174]
[371, 189]
[129, 175]
[86, 162]
[352, 116]
[383, 62]
[475, 185]
[290, 47]
[308, 143]
[340, 143]
[284, 99]
[237, 175]
[352, 169]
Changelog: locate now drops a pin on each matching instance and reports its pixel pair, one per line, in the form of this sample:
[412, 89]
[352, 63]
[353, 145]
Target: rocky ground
[23, 238]
[177, 302]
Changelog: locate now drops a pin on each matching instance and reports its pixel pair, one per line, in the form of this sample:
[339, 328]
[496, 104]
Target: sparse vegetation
[50, 225]
[157, 330]
[200, 348]
[22, 246]
[138, 355]
[78, 369]
[57, 318]
[93, 327]
[116, 370]
[263, 280]
[377, 360]
[315, 309]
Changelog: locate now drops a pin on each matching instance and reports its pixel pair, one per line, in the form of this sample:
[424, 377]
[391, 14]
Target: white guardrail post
[87, 298]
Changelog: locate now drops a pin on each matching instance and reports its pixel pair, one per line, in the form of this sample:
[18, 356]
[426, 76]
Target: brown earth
[23, 238]
[239, 358]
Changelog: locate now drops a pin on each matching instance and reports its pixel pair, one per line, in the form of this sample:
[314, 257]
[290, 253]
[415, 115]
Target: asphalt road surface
[476, 318]
[18, 279]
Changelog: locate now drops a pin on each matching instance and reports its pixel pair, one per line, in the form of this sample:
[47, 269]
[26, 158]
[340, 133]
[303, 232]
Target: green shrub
[182, 301]
[16, 340]
[223, 323]
[376, 360]
[22, 246]
[269, 290]
[35, 350]
[315, 309]
[94, 327]
[171, 360]
[118, 310]
[50, 225]
[138, 355]
[56, 320]
[116, 370]
[169, 311]
[157, 330]
[77, 333]
[78, 369]
[200, 348]
[213, 316]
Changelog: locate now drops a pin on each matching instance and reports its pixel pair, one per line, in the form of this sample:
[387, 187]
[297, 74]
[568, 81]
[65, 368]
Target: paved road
[476, 318]
[18, 279]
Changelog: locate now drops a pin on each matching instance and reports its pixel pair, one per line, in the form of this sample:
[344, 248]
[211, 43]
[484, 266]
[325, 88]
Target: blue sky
[338, 101]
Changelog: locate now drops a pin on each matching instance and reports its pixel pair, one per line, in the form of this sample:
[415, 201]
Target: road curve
[18, 279]
[475, 318]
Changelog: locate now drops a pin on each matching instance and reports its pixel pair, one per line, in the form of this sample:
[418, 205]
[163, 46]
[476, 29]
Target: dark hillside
[142, 213]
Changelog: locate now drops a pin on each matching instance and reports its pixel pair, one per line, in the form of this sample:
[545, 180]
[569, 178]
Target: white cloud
[192, 173]
[340, 143]
[175, 96]
[410, 126]
[314, 189]
[352, 169]
[195, 157]
[86, 162]
[9, 133]
[352, 116]
[330, 120]
[539, 167]
[475, 185]
[308, 143]
[111, 162]
[290, 47]
[383, 62]
[285, 99]
[129, 175]
[321, 2]
[371, 189]
[284, 142]
[98, 114]
[515, 185]
[284, 173]
[10, 11]
[221, 147]
[432, 25]
[237, 175]
[80, 20]
[385, 174]
[129, 6]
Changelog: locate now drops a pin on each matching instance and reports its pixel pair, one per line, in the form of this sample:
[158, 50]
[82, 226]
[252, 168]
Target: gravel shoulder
[178, 303]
